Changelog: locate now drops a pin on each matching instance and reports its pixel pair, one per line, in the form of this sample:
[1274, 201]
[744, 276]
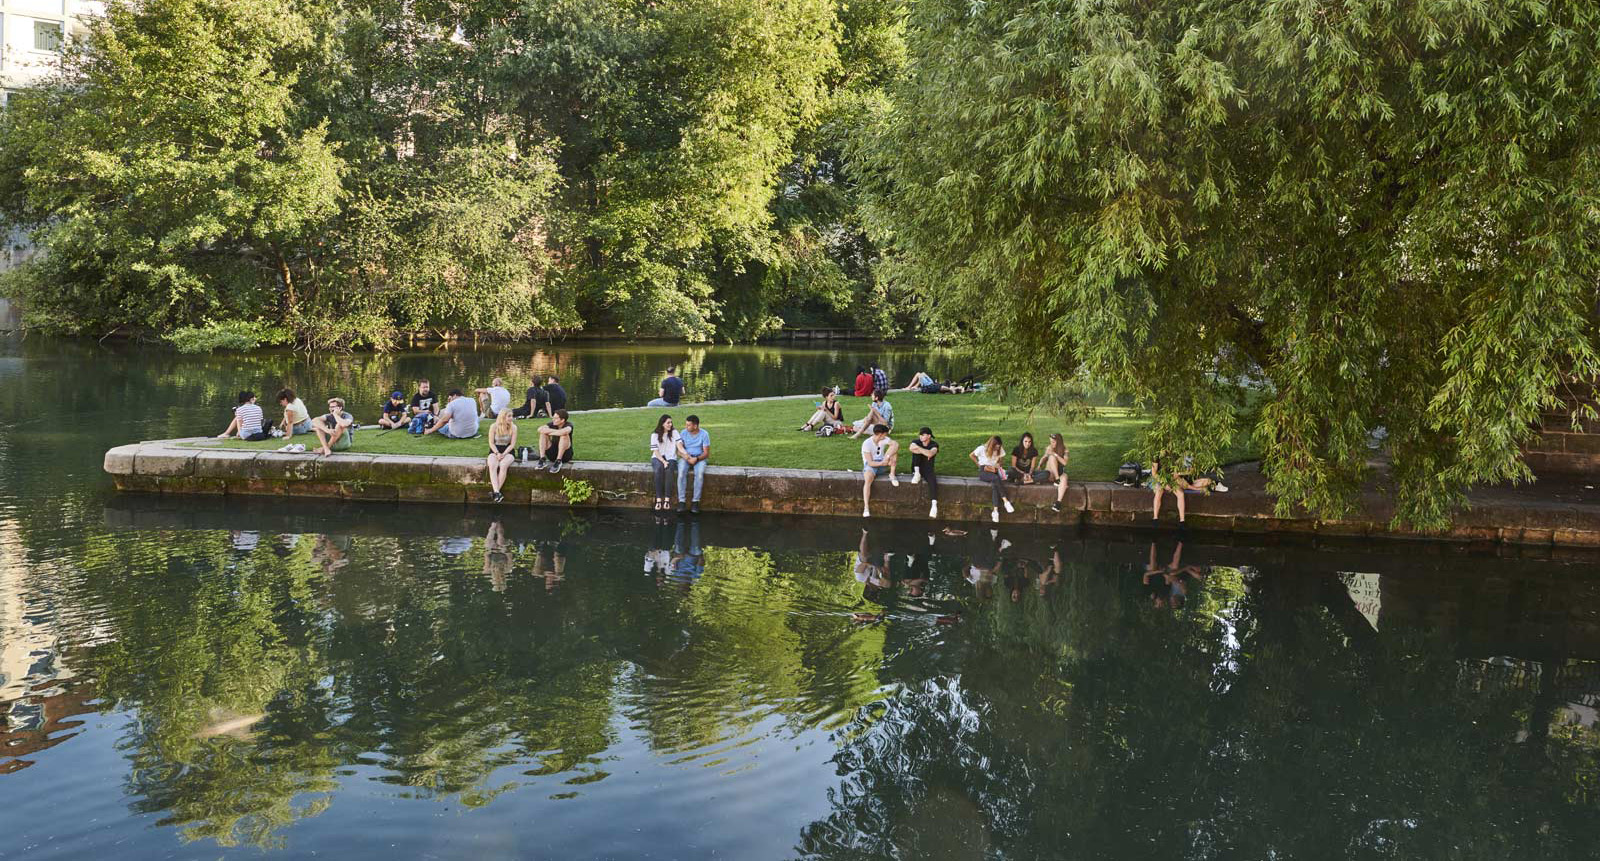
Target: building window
[47, 35]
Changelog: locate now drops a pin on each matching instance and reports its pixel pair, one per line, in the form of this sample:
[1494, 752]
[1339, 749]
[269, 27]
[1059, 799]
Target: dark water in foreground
[194, 679]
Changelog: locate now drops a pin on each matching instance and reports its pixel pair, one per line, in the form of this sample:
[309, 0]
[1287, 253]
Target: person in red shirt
[863, 382]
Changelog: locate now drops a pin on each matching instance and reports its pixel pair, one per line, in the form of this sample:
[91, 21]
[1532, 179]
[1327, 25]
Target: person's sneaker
[930, 539]
[682, 508]
[1004, 543]
[866, 512]
[995, 515]
[541, 463]
[1220, 487]
[695, 508]
[497, 496]
[1055, 506]
[933, 510]
[894, 480]
[555, 467]
[916, 476]
[1009, 509]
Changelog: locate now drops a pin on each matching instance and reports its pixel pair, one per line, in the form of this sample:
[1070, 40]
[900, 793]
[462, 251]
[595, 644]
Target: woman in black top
[1023, 459]
[828, 412]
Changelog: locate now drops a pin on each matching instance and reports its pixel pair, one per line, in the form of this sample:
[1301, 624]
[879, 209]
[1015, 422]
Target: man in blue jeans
[694, 449]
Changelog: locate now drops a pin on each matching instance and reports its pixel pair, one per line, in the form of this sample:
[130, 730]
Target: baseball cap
[396, 395]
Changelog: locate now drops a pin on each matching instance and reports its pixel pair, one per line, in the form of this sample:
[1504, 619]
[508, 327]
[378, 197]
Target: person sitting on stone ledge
[247, 419]
[879, 413]
[502, 440]
[987, 457]
[458, 419]
[694, 451]
[1054, 460]
[829, 412]
[1169, 474]
[878, 455]
[555, 442]
[335, 429]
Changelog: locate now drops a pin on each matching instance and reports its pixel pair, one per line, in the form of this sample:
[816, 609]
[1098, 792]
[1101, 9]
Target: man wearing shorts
[878, 454]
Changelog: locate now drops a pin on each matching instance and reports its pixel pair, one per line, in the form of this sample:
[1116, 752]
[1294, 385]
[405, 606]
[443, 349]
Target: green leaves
[1377, 219]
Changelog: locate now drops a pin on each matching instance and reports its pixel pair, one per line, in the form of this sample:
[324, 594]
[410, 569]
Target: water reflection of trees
[1253, 720]
[1249, 724]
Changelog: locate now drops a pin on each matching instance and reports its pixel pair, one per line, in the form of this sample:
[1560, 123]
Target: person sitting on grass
[987, 457]
[247, 419]
[664, 461]
[863, 382]
[878, 413]
[393, 412]
[1023, 460]
[694, 451]
[537, 404]
[502, 441]
[494, 399]
[335, 429]
[670, 391]
[424, 402]
[829, 412]
[923, 450]
[556, 395]
[878, 455]
[458, 419]
[295, 418]
[1167, 474]
[555, 442]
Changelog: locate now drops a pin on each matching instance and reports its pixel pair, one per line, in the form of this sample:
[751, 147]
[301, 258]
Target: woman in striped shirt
[247, 420]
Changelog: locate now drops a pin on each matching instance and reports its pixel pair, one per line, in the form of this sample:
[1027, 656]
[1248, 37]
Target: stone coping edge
[178, 467]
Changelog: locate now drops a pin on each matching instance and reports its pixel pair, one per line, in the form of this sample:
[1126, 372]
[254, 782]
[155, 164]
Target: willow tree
[1379, 214]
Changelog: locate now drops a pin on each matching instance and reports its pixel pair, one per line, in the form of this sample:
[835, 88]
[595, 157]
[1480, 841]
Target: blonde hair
[502, 421]
[339, 401]
[994, 446]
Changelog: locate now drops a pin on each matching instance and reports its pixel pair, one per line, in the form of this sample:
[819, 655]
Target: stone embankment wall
[178, 467]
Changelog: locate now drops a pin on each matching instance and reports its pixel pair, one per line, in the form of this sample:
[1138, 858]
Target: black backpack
[1130, 474]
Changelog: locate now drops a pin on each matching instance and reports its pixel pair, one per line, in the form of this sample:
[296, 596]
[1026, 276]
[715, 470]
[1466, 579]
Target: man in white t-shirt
[458, 419]
[878, 455]
[494, 399]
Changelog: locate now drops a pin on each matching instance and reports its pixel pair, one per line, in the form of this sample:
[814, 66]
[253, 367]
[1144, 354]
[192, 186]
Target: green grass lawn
[762, 433]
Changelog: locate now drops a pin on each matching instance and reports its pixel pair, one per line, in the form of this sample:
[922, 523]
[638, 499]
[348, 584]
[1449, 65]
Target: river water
[205, 678]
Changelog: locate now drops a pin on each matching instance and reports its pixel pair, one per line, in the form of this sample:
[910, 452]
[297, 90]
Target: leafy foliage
[1379, 215]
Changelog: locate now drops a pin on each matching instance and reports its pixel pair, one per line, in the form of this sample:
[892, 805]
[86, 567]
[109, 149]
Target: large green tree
[1378, 215]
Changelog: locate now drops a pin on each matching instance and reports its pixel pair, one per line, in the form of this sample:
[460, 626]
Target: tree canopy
[1373, 220]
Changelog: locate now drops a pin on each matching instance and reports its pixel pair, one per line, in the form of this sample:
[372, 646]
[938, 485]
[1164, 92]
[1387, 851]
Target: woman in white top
[987, 457]
[664, 461]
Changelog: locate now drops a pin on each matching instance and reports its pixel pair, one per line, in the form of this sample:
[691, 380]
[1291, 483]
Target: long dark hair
[1057, 440]
[661, 425]
[1026, 445]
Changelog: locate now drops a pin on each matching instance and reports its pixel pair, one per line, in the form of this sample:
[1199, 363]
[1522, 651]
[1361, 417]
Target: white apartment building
[31, 35]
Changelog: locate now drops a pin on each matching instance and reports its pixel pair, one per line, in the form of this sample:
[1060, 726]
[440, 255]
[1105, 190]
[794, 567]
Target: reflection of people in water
[1017, 578]
[1050, 574]
[985, 564]
[331, 552]
[496, 556]
[1169, 586]
[550, 562]
[916, 579]
[688, 559]
[246, 540]
[658, 559]
[872, 571]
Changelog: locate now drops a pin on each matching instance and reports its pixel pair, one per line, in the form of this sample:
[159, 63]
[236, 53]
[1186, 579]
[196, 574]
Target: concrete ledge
[175, 467]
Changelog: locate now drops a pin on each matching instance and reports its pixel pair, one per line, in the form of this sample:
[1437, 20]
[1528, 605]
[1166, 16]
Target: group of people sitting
[335, 430]
[880, 457]
[873, 380]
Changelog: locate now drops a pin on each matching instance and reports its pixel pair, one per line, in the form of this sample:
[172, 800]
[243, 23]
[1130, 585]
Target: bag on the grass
[1129, 474]
[825, 430]
[418, 425]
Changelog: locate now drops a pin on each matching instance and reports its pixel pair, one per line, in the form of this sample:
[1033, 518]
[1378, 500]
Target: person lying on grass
[335, 429]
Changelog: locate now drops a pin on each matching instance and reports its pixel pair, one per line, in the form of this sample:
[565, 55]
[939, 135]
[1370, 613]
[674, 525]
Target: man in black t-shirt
[923, 450]
[538, 404]
[671, 390]
[557, 395]
[423, 403]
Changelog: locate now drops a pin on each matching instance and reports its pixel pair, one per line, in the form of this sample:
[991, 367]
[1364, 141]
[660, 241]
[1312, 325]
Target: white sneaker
[1004, 543]
[894, 480]
[1009, 509]
[995, 515]
[1220, 487]
[916, 476]
[933, 510]
[866, 512]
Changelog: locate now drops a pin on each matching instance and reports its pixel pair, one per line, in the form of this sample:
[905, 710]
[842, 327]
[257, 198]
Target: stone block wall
[180, 467]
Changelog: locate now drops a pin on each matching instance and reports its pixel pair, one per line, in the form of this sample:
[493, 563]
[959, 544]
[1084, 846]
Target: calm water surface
[202, 679]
